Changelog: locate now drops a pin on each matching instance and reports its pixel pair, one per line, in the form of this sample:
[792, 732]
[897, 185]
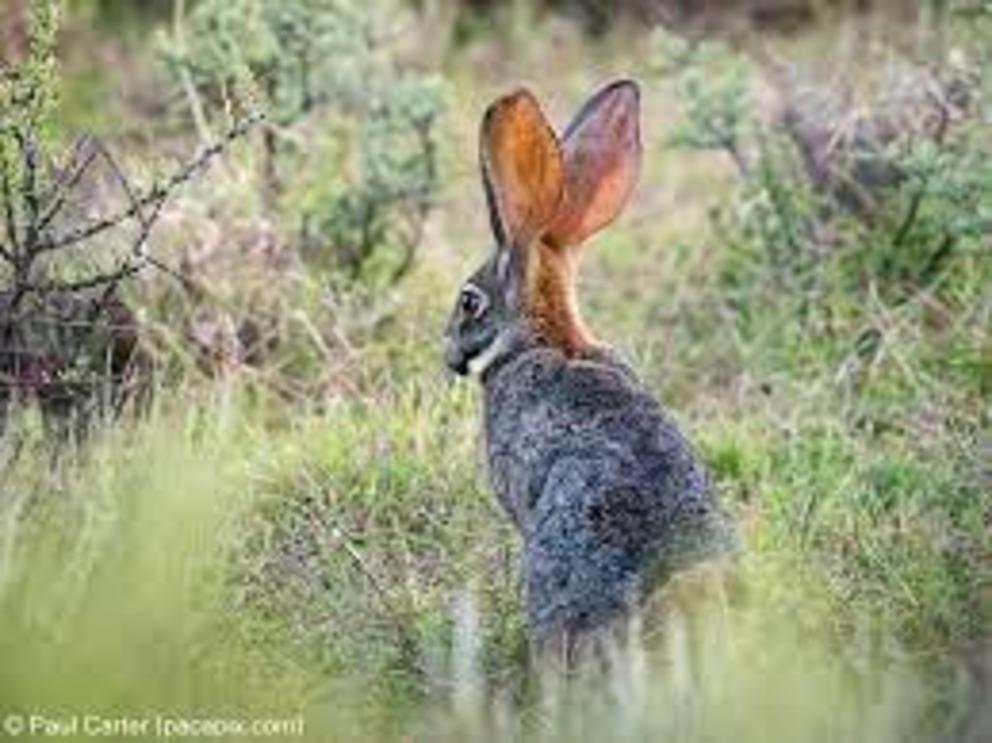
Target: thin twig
[936, 261]
[186, 78]
[392, 613]
[8, 204]
[67, 181]
[29, 182]
[90, 282]
[910, 218]
[157, 193]
[136, 206]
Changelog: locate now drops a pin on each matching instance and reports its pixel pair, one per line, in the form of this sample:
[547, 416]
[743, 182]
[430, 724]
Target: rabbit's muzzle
[455, 357]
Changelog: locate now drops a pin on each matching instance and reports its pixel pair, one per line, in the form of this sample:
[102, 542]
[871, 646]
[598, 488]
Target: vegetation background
[235, 482]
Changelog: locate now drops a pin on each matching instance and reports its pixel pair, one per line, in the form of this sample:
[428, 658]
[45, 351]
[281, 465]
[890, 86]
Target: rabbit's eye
[472, 302]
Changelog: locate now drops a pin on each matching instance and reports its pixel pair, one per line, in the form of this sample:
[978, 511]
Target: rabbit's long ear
[522, 169]
[602, 158]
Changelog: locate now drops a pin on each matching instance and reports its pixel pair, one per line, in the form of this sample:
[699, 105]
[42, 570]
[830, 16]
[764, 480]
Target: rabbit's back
[608, 494]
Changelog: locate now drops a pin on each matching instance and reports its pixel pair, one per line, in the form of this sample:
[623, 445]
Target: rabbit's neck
[513, 341]
[550, 301]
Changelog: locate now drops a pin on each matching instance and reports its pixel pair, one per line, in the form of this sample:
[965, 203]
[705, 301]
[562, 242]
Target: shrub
[68, 340]
[860, 269]
[884, 188]
[327, 64]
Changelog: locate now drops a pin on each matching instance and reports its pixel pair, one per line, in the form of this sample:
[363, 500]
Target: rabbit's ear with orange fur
[522, 169]
[602, 159]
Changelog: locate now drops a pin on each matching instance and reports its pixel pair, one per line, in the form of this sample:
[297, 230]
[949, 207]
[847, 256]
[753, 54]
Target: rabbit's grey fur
[605, 490]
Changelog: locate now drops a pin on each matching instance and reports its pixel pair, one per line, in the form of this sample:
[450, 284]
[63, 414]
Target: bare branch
[128, 268]
[29, 183]
[136, 207]
[909, 219]
[66, 181]
[6, 194]
[157, 193]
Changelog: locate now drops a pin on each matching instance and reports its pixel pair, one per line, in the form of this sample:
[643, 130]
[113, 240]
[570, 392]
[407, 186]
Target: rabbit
[607, 494]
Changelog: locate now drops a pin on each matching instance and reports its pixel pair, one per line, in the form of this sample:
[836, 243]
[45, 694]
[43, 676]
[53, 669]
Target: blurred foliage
[921, 196]
[893, 298]
[332, 64]
[373, 219]
[29, 88]
[714, 89]
[476, 17]
[116, 15]
[299, 54]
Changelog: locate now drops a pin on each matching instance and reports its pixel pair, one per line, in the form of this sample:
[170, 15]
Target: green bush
[357, 175]
[883, 313]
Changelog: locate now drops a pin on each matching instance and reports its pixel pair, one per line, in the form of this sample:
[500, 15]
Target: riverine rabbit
[606, 492]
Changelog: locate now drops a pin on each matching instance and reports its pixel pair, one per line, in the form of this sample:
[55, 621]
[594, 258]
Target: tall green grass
[115, 588]
[348, 567]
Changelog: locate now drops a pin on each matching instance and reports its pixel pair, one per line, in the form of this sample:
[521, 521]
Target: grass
[240, 551]
[198, 564]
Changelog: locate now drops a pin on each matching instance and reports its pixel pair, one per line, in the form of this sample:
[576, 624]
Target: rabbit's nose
[454, 357]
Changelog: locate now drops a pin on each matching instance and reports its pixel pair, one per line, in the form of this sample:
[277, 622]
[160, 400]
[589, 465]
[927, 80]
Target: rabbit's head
[545, 195]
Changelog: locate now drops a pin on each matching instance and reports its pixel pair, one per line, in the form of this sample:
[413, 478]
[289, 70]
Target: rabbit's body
[604, 489]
